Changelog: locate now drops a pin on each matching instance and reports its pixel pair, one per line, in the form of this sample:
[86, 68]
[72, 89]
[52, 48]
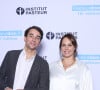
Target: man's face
[32, 40]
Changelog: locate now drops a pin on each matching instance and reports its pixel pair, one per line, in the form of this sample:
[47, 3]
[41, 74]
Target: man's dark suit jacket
[38, 78]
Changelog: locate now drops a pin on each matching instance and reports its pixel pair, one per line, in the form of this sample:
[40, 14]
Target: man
[25, 69]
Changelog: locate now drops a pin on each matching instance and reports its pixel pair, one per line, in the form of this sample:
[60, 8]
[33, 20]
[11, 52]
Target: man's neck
[29, 53]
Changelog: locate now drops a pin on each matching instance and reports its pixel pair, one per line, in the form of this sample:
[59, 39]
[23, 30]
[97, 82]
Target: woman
[69, 73]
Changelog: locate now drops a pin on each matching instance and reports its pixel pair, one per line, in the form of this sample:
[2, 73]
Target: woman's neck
[67, 62]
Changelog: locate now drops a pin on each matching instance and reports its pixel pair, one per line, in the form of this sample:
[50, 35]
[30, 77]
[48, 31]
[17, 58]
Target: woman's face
[67, 48]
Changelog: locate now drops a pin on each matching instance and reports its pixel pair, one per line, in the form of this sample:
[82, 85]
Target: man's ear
[24, 38]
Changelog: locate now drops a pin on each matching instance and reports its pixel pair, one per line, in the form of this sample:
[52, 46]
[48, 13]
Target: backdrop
[56, 18]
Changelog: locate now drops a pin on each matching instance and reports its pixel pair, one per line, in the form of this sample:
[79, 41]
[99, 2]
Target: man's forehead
[34, 31]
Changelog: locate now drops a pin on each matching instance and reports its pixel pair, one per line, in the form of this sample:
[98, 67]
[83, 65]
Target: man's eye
[30, 35]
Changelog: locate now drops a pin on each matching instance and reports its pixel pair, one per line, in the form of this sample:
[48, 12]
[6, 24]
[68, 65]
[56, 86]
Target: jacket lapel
[33, 72]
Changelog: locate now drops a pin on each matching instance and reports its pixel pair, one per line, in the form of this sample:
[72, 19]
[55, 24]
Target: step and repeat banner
[56, 18]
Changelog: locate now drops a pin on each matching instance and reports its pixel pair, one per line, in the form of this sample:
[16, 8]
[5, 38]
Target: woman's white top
[76, 77]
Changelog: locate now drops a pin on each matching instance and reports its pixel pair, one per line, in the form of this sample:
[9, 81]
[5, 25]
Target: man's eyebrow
[33, 35]
[30, 34]
[38, 36]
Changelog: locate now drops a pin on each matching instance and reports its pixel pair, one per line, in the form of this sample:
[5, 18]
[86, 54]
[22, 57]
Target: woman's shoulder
[82, 65]
[53, 64]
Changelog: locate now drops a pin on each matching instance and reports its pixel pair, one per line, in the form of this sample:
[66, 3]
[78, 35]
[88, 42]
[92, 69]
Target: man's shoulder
[14, 51]
[40, 59]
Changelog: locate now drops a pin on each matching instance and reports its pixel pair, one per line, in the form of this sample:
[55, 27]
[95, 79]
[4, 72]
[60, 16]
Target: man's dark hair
[34, 27]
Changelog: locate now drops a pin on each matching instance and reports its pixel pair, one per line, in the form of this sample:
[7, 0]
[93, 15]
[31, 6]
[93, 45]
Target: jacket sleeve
[3, 71]
[44, 76]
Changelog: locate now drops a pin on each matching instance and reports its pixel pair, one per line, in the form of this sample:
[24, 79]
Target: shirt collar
[24, 55]
[75, 65]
